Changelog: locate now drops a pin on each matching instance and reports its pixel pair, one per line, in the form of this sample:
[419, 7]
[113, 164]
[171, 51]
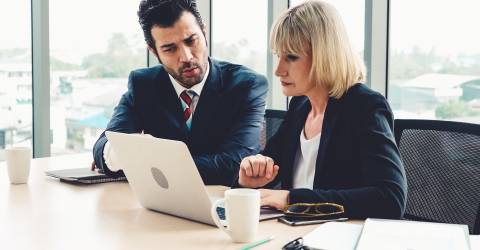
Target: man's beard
[188, 82]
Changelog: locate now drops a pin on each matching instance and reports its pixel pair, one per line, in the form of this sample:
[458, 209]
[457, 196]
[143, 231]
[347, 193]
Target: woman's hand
[257, 171]
[274, 198]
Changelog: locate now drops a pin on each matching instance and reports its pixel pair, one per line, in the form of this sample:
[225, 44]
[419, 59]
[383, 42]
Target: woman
[336, 143]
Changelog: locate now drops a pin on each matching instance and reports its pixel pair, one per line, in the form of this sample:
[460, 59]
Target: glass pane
[15, 75]
[238, 38]
[434, 68]
[93, 49]
[353, 16]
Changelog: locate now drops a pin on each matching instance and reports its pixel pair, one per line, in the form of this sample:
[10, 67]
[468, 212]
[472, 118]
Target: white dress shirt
[109, 155]
[197, 88]
[305, 161]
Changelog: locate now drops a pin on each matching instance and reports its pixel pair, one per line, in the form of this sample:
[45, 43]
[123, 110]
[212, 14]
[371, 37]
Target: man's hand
[257, 171]
[110, 157]
[274, 198]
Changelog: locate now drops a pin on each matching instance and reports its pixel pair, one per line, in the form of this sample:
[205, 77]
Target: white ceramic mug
[242, 213]
[18, 164]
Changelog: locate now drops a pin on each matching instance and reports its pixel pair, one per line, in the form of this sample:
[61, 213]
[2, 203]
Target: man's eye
[190, 42]
[168, 50]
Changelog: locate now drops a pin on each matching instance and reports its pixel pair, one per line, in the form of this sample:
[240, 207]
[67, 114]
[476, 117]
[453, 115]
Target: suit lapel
[293, 142]
[329, 121]
[170, 103]
[208, 102]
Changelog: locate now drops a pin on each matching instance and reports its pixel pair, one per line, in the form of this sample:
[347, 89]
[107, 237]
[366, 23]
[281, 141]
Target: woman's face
[293, 71]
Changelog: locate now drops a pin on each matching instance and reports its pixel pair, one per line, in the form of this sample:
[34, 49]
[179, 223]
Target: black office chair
[442, 165]
[271, 123]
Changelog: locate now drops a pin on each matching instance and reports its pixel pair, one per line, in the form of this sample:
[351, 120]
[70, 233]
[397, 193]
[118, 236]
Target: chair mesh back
[443, 175]
[271, 123]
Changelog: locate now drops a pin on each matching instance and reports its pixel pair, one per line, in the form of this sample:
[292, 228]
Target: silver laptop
[163, 176]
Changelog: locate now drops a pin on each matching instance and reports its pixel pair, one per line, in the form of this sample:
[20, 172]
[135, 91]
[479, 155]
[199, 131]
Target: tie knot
[186, 97]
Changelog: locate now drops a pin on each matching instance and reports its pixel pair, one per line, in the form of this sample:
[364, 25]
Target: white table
[49, 214]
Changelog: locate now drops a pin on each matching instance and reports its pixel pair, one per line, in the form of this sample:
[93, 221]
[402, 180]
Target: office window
[434, 62]
[353, 16]
[15, 75]
[239, 32]
[93, 45]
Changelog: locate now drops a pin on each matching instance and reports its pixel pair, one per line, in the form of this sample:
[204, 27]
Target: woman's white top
[305, 161]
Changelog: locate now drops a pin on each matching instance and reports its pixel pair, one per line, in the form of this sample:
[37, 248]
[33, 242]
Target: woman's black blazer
[358, 163]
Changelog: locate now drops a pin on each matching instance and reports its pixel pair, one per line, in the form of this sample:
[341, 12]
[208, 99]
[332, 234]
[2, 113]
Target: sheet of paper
[398, 234]
[334, 235]
[474, 242]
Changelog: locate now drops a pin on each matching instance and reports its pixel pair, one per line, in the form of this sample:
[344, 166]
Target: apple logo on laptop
[159, 177]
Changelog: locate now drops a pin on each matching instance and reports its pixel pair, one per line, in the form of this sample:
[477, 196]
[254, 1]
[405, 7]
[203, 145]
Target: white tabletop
[49, 214]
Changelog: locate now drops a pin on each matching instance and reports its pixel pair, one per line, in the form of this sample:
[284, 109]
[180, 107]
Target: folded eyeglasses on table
[311, 211]
[314, 210]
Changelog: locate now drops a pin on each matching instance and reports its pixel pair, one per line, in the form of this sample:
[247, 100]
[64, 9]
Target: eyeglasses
[296, 244]
[314, 209]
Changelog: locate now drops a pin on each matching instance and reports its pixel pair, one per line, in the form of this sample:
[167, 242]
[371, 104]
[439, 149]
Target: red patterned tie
[188, 101]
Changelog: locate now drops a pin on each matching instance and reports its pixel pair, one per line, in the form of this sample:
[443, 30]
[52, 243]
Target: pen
[256, 243]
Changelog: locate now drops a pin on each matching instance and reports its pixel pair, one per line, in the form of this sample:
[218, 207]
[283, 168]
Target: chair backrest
[442, 165]
[271, 123]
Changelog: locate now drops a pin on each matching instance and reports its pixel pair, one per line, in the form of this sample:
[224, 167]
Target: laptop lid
[163, 175]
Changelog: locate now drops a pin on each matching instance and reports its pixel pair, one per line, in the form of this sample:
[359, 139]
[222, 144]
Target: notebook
[401, 234]
[82, 176]
[334, 235]
[389, 234]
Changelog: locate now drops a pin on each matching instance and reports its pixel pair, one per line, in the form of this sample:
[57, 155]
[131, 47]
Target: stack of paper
[380, 234]
[334, 235]
[398, 234]
[475, 241]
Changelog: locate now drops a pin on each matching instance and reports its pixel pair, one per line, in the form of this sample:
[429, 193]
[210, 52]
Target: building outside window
[15, 75]
[434, 62]
[92, 51]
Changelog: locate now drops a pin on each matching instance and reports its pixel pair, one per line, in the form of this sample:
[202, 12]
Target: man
[215, 107]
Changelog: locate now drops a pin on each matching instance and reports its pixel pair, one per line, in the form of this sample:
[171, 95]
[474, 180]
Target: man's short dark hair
[164, 13]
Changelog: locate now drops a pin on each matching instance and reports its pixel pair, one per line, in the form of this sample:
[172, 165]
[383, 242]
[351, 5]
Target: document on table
[334, 235]
[401, 234]
[474, 242]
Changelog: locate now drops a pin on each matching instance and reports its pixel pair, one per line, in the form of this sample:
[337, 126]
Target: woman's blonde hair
[315, 27]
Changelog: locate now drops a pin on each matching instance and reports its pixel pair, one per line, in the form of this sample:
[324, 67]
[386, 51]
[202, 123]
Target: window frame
[375, 55]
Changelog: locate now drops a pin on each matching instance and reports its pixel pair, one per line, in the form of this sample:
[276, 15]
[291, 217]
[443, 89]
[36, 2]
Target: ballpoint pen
[256, 243]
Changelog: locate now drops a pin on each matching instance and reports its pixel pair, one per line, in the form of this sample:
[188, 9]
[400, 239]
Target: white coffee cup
[242, 212]
[18, 164]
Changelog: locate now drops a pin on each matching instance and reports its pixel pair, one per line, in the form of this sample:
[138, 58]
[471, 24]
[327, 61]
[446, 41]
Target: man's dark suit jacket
[226, 124]
[358, 163]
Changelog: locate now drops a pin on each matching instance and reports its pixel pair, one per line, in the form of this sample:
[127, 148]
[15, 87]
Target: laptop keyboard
[265, 213]
[221, 213]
